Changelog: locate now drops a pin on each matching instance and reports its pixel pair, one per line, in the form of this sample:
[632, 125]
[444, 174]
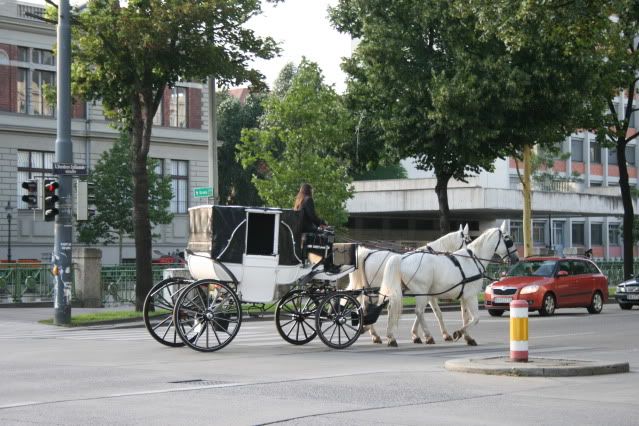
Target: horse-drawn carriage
[239, 255]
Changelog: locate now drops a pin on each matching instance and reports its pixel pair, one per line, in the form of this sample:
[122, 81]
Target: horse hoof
[417, 340]
[448, 338]
[392, 343]
[457, 335]
[471, 342]
[430, 341]
[377, 339]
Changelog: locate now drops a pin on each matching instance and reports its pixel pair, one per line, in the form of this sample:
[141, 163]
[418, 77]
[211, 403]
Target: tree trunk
[143, 242]
[441, 189]
[120, 248]
[628, 210]
[527, 192]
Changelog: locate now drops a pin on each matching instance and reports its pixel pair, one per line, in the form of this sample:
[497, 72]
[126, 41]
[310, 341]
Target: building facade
[579, 207]
[28, 134]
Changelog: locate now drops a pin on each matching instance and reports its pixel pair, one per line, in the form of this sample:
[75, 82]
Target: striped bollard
[519, 331]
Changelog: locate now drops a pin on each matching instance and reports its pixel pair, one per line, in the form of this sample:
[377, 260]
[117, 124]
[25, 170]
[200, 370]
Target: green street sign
[203, 192]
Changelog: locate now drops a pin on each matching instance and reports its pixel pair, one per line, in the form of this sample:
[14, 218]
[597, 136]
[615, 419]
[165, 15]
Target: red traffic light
[51, 186]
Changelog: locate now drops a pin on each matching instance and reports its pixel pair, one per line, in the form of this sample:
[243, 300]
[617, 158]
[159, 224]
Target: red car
[548, 283]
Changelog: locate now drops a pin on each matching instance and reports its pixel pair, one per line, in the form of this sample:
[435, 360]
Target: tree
[233, 116]
[427, 85]
[113, 190]
[126, 54]
[602, 37]
[296, 143]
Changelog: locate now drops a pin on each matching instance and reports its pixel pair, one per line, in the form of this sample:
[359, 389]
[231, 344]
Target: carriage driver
[311, 222]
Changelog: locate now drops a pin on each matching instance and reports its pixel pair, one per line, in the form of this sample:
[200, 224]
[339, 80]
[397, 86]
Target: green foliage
[296, 142]
[113, 192]
[122, 51]
[395, 171]
[236, 187]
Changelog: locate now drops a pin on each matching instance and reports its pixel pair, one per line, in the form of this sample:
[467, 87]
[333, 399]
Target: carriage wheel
[158, 311]
[295, 317]
[339, 320]
[207, 315]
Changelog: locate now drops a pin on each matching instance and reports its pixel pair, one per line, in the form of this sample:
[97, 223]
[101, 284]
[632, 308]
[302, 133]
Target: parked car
[548, 283]
[627, 293]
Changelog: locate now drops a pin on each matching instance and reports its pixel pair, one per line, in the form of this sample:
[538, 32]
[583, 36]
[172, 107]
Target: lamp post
[8, 208]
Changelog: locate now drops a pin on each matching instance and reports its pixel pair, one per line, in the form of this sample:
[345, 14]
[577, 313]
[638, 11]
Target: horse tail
[391, 288]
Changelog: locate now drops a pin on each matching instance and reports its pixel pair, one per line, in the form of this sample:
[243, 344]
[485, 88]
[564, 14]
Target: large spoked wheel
[158, 311]
[295, 317]
[207, 315]
[339, 320]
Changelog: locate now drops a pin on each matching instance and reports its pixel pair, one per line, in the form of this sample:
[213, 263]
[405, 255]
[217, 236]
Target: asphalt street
[120, 376]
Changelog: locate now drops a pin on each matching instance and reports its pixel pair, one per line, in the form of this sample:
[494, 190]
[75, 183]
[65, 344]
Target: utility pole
[61, 258]
[213, 175]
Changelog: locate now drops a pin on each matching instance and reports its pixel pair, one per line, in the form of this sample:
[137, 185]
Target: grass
[99, 317]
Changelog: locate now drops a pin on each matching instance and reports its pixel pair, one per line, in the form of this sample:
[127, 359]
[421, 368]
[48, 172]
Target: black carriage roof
[221, 231]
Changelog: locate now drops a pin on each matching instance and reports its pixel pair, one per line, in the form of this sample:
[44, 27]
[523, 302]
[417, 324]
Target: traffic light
[50, 199]
[31, 198]
[85, 200]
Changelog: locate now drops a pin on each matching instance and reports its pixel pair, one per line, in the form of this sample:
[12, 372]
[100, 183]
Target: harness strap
[366, 283]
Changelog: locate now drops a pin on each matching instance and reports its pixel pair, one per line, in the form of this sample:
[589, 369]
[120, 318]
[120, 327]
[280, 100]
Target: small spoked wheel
[207, 315]
[339, 320]
[295, 317]
[158, 311]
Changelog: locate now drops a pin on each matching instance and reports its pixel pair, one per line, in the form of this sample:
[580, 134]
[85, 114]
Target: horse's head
[505, 245]
[495, 242]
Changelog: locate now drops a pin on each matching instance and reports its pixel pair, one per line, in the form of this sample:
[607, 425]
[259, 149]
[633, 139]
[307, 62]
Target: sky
[302, 28]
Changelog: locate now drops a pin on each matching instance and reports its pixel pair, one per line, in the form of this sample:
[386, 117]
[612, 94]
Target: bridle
[508, 242]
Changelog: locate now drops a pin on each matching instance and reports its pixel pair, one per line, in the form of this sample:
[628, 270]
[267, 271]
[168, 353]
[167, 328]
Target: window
[32, 165]
[578, 233]
[558, 233]
[612, 156]
[630, 155]
[157, 118]
[579, 267]
[539, 233]
[516, 232]
[595, 153]
[179, 186]
[177, 111]
[596, 234]
[36, 72]
[577, 149]
[614, 234]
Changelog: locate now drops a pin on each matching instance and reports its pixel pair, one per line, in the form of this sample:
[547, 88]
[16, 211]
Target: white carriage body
[259, 249]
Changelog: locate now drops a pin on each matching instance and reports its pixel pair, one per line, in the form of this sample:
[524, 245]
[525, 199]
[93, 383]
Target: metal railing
[118, 282]
[26, 283]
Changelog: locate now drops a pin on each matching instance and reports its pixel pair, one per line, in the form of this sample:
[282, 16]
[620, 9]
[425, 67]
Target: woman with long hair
[304, 202]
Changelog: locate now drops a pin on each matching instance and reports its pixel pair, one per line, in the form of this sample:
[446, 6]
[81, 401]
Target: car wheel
[596, 305]
[548, 305]
[495, 312]
[625, 306]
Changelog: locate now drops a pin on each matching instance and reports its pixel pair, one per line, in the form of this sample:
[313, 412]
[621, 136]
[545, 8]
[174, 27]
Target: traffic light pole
[61, 258]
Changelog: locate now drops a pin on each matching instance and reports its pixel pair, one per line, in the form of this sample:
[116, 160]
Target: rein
[453, 258]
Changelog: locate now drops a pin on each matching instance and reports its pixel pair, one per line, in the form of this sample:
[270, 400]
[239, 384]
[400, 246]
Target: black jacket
[310, 220]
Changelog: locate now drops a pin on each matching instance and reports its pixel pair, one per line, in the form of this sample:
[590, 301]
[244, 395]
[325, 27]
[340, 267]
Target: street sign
[203, 192]
[69, 169]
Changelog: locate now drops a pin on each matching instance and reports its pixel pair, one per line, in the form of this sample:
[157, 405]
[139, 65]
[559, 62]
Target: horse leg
[392, 289]
[373, 333]
[434, 305]
[472, 318]
[420, 305]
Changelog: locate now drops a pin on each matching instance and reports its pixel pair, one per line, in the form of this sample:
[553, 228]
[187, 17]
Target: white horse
[459, 275]
[370, 271]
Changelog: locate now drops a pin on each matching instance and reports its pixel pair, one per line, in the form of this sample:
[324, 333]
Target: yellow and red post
[519, 331]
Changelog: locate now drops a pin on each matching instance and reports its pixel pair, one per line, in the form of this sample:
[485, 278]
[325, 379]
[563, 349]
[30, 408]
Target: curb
[535, 367]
